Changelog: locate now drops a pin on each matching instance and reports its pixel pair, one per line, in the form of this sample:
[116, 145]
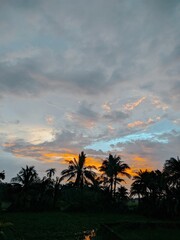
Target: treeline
[81, 187]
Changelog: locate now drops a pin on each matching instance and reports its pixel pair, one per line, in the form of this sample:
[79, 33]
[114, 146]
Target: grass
[148, 233]
[68, 226]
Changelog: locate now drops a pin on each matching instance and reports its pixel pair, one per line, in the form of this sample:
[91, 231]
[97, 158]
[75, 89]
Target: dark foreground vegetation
[84, 198]
[78, 226]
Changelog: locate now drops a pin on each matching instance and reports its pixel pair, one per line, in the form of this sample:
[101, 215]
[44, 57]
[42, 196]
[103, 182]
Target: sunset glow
[76, 76]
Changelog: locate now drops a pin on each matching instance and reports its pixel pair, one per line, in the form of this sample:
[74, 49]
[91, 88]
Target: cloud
[89, 55]
[18, 79]
[50, 120]
[85, 110]
[150, 151]
[84, 116]
[116, 115]
[74, 74]
[140, 123]
[106, 107]
[64, 147]
[131, 106]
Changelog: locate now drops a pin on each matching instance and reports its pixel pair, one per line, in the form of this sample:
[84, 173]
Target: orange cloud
[137, 162]
[8, 144]
[131, 106]
[156, 101]
[41, 154]
[140, 123]
[135, 124]
[90, 161]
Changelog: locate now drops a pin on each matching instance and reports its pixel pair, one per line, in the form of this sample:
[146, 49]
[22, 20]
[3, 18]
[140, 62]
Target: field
[68, 226]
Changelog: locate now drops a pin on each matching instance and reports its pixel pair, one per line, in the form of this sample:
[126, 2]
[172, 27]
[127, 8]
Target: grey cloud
[85, 81]
[116, 116]
[156, 153]
[85, 110]
[65, 141]
[112, 47]
[94, 51]
[163, 6]
[17, 79]
[176, 89]
[21, 3]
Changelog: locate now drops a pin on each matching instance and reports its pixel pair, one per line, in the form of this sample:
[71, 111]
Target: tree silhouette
[172, 170]
[150, 187]
[112, 167]
[78, 171]
[2, 175]
[139, 186]
[50, 172]
[26, 176]
[122, 194]
[57, 187]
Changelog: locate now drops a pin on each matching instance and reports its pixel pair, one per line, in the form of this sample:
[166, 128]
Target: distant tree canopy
[79, 185]
[2, 175]
[26, 176]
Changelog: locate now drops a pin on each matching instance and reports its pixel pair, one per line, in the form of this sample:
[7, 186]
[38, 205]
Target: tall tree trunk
[114, 186]
[78, 179]
[111, 187]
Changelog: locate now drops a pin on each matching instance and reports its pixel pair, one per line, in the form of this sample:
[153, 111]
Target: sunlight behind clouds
[82, 75]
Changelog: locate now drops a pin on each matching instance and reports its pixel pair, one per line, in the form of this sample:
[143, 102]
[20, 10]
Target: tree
[50, 172]
[150, 187]
[172, 170]
[140, 184]
[112, 167]
[2, 175]
[57, 187]
[172, 173]
[26, 176]
[122, 194]
[78, 171]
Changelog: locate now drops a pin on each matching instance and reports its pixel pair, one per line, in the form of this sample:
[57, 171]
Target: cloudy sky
[100, 76]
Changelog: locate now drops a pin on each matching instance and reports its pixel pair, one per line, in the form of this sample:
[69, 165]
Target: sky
[96, 76]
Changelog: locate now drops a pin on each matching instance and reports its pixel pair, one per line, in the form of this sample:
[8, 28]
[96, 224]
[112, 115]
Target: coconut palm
[149, 185]
[57, 187]
[172, 170]
[26, 176]
[78, 171]
[2, 175]
[172, 173]
[113, 167]
[122, 194]
[140, 184]
[50, 172]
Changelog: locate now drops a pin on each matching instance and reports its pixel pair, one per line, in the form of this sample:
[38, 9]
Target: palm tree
[122, 194]
[112, 167]
[57, 187]
[78, 171]
[172, 169]
[2, 175]
[172, 173]
[26, 176]
[50, 172]
[149, 185]
[140, 185]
